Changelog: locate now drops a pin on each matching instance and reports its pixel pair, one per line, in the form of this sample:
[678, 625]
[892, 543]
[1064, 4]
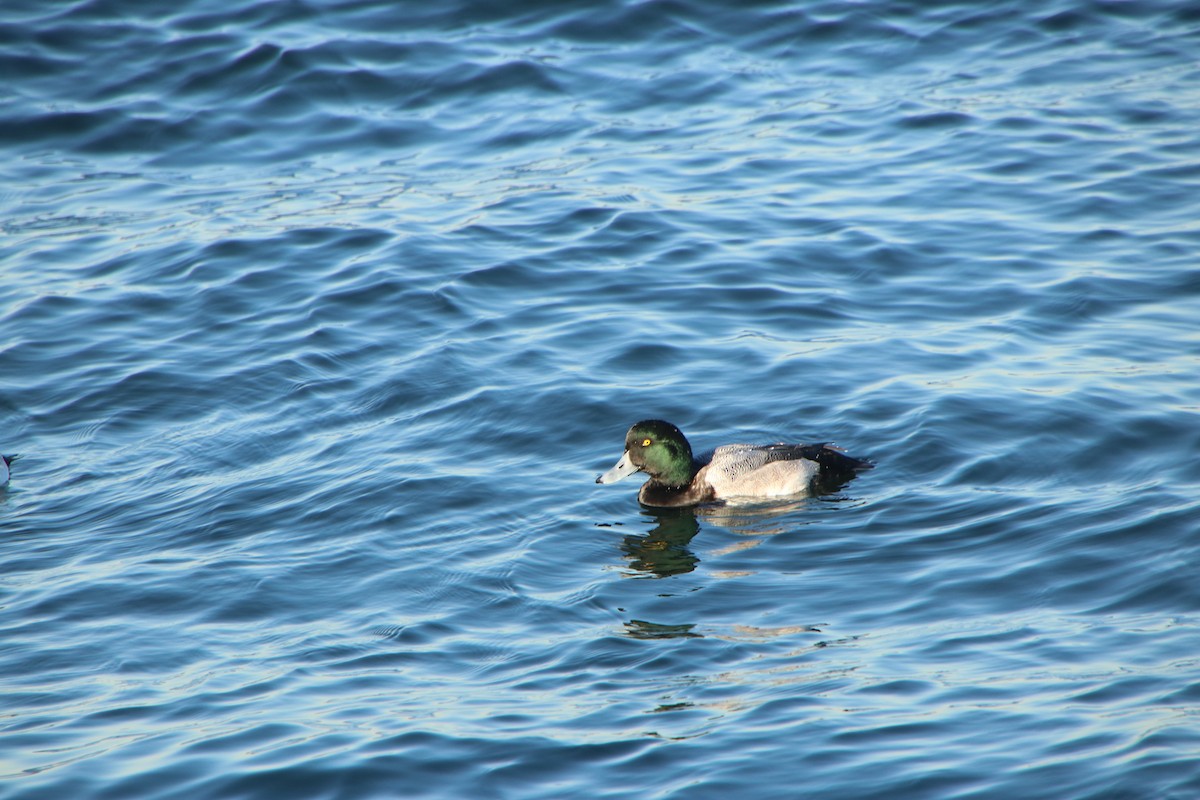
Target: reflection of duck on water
[641, 629]
[664, 550]
[660, 450]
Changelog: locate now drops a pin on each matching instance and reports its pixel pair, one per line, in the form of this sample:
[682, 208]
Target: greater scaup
[660, 450]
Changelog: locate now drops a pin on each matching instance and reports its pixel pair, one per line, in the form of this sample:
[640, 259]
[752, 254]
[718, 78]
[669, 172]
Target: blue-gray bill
[622, 469]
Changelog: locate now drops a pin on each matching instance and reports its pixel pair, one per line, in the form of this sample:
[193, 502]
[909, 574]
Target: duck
[677, 478]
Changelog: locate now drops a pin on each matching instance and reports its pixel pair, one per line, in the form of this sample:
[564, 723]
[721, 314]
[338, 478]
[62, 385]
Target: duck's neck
[679, 473]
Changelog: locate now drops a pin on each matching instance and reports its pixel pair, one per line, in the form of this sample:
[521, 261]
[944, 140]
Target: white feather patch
[746, 470]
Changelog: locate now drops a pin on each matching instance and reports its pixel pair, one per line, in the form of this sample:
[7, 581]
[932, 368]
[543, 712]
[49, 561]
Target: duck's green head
[658, 449]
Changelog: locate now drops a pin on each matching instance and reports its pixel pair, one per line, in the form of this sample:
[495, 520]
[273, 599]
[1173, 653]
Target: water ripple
[319, 320]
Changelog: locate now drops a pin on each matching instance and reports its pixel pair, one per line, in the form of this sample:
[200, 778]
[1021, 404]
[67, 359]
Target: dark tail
[837, 467]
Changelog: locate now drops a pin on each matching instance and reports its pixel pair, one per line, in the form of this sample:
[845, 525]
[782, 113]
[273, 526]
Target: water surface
[318, 320]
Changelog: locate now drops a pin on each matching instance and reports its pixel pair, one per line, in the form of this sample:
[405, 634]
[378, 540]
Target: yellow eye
[645, 442]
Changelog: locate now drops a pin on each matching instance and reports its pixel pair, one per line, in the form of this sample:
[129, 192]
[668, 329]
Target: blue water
[317, 321]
